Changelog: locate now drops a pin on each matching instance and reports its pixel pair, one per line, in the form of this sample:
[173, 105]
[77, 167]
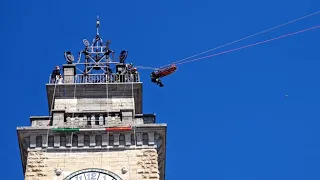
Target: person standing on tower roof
[55, 74]
[134, 73]
[108, 51]
[129, 67]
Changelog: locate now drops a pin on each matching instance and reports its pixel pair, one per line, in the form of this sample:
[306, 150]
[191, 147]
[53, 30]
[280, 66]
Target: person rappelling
[156, 79]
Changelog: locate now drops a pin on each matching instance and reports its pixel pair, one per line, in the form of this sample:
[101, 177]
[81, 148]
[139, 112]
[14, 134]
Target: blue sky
[228, 116]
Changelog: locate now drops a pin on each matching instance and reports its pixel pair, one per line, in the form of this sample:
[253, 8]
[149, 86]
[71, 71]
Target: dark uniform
[156, 79]
[55, 73]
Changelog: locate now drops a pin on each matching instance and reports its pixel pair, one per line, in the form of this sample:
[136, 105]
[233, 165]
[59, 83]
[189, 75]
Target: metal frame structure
[94, 57]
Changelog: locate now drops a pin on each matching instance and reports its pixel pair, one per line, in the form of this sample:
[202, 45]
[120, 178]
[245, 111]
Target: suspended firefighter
[156, 75]
[156, 79]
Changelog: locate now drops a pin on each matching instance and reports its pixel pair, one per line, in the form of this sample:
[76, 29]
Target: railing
[100, 78]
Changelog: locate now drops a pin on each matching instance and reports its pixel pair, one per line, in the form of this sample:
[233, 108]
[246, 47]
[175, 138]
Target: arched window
[145, 139]
[98, 140]
[86, 140]
[50, 141]
[39, 141]
[63, 140]
[74, 140]
[133, 139]
[122, 139]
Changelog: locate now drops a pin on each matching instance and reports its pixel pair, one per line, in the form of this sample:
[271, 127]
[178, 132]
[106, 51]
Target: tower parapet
[93, 109]
[92, 76]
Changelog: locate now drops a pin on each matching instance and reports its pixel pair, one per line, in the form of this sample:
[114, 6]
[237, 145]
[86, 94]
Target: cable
[108, 78]
[261, 32]
[72, 125]
[53, 97]
[134, 110]
[243, 47]
[145, 67]
[247, 37]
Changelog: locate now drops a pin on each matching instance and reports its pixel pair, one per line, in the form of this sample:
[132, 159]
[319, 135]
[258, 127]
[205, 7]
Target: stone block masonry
[141, 164]
[94, 104]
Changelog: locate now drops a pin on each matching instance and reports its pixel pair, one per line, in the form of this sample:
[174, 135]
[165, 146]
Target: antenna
[97, 55]
[98, 25]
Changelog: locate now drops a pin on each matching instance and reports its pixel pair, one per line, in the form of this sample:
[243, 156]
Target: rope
[145, 67]
[107, 94]
[53, 96]
[134, 124]
[255, 44]
[261, 32]
[72, 125]
[132, 95]
[134, 112]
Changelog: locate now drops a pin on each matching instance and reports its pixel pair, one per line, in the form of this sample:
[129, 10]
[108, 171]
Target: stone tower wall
[140, 164]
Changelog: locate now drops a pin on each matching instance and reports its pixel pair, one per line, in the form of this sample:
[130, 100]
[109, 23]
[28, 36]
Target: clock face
[93, 174]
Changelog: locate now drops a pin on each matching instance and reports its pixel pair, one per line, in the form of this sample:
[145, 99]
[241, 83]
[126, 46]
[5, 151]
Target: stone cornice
[46, 128]
[35, 139]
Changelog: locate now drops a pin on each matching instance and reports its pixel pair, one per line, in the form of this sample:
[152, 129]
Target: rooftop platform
[98, 86]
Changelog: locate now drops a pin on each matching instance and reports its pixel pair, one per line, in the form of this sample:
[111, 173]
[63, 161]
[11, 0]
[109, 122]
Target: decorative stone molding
[101, 119]
[128, 139]
[116, 139]
[151, 138]
[94, 104]
[145, 136]
[58, 117]
[56, 141]
[105, 139]
[39, 121]
[139, 139]
[44, 140]
[68, 140]
[78, 140]
[33, 140]
[92, 140]
[63, 119]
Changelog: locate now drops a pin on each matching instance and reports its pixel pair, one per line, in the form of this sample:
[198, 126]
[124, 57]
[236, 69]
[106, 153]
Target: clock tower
[96, 129]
